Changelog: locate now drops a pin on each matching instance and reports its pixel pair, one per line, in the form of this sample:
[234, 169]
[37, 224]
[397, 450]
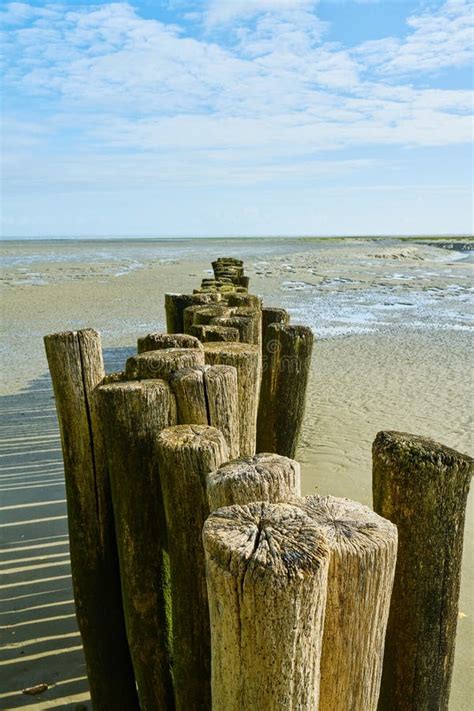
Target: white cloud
[223, 12]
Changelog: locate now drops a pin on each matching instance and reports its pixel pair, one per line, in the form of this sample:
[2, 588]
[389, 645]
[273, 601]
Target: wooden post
[216, 333]
[133, 413]
[245, 300]
[160, 341]
[222, 399]
[200, 314]
[256, 316]
[245, 357]
[265, 477]
[186, 454]
[76, 366]
[267, 567]
[283, 388]
[176, 303]
[188, 387]
[361, 571]
[243, 324]
[161, 364]
[272, 315]
[421, 486]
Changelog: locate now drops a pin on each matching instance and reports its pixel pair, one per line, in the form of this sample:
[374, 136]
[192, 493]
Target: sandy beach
[393, 320]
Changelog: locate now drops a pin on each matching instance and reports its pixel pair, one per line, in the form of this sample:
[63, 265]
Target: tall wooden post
[283, 388]
[76, 367]
[246, 358]
[267, 567]
[216, 333]
[363, 555]
[159, 341]
[188, 387]
[421, 486]
[161, 364]
[133, 413]
[186, 454]
[264, 477]
[222, 399]
[176, 303]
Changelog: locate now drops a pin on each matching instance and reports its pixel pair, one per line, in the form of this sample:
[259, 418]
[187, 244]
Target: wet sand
[393, 325]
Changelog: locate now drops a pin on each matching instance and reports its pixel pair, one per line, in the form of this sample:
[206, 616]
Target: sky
[236, 117]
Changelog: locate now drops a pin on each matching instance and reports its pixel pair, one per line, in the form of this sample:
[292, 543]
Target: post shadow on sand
[40, 639]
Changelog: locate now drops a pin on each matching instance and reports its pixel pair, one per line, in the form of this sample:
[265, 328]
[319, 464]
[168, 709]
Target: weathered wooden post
[215, 333]
[186, 454]
[76, 366]
[362, 567]
[176, 303]
[243, 324]
[264, 477]
[159, 341]
[246, 358]
[245, 300]
[272, 315]
[222, 399]
[267, 567]
[160, 364]
[421, 486]
[283, 388]
[188, 387]
[132, 415]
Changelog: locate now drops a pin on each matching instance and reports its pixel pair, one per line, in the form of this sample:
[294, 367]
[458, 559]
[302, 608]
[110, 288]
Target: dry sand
[393, 339]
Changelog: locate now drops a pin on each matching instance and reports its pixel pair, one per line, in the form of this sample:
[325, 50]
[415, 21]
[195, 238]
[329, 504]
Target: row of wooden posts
[202, 578]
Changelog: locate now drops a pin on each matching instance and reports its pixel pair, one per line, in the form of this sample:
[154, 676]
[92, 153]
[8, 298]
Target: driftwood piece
[133, 413]
[186, 454]
[361, 571]
[176, 303]
[245, 357]
[267, 567]
[188, 387]
[161, 364]
[159, 341]
[225, 334]
[76, 366]
[264, 477]
[421, 486]
[283, 388]
[222, 399]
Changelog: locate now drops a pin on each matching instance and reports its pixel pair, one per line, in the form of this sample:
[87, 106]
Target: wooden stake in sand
[283, 388]
[132, 415]
[188, 387]
[159, 341]
[161, 364]
[361, 571]
[76, 366]
[176, 303]
[216, 333]
[186, 454]
[246, 358]
[421, 486]
[222, 399]
[271, 315]
[267, 567]
[264, 477]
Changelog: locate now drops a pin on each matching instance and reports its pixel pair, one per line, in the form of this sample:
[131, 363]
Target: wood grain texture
[361, 572]
[267, 567]
[176, 303]
[76, 367]
[215, 333]
[201, 314]
[255, 314]
[222, 398]
[188, 387]
[158, 341]
[133, 413]
[245, 357]
[186, 454]
[244, 325]
[421, 486]
[161, 364]
[283, 388]
[245, 300]
[264, 477]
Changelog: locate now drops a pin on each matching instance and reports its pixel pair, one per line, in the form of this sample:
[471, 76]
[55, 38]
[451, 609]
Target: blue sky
[251, 117]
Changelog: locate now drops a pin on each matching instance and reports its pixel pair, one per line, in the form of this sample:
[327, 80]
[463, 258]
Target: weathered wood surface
[246, 358]
[76, 366]
[256, 316]
[243, 324]
[361, 571]
[204, 316]
[222, 399]
[272, 315]
[188, 387]
[186, 455]
[245, 300]
[421, 486]
[176, 303]
[215, 333]
[264, 477]
[267, 567]
[161, 364]
[133, 413]
[159, 341]
[283, 388]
